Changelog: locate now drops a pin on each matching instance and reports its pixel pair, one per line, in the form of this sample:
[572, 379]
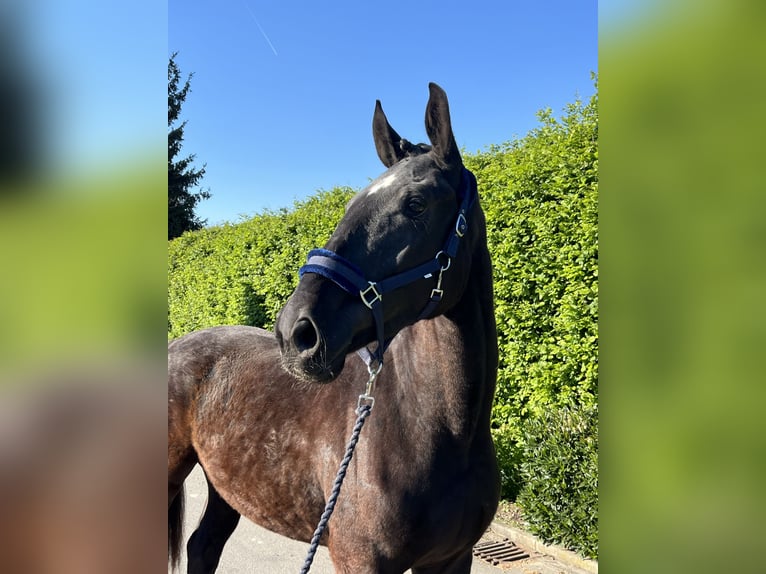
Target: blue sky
[283, 93]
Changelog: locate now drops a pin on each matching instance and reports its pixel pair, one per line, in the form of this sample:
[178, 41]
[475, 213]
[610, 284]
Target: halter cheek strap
[351, 279]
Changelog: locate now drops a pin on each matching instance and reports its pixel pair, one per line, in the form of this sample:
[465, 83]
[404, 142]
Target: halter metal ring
[449, 260]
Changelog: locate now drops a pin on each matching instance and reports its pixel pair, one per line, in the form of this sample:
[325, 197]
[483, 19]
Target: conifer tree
[182, 175]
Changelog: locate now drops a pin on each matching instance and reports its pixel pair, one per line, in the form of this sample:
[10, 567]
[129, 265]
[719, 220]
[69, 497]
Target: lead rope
[363, 410]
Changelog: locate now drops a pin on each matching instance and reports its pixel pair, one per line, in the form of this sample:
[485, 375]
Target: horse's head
[397, 252]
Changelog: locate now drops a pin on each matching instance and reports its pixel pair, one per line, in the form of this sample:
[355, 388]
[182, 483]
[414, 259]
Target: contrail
[265, 37]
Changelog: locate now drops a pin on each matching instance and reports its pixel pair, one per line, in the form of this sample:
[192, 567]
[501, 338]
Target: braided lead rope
[363, 412]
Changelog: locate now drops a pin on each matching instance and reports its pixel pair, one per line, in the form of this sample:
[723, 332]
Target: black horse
[407, 265]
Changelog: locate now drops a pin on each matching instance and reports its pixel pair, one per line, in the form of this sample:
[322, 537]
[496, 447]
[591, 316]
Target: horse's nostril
[305, 336]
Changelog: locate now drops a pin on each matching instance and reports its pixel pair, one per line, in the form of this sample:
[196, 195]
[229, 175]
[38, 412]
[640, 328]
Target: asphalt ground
[254, 550]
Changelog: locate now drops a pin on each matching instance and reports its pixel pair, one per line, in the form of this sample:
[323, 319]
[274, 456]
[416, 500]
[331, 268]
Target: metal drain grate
[499, 551]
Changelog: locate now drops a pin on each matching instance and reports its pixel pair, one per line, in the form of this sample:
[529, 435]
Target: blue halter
[351, 279]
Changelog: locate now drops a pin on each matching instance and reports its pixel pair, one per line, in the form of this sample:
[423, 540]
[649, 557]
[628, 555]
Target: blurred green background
[683, 238]
[83, 267]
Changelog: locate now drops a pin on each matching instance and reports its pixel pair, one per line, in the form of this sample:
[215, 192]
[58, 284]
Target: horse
[267, 415]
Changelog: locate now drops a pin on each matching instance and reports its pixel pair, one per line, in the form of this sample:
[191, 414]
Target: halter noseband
[351, 279]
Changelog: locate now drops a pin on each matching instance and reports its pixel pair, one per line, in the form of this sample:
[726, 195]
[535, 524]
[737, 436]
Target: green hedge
[540, 196]
[560, 476]
[242, 274]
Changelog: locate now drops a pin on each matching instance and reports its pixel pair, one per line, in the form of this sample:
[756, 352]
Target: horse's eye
[416, 205]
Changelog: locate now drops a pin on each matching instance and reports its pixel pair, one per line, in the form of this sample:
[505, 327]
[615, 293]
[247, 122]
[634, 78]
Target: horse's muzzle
[304, 349]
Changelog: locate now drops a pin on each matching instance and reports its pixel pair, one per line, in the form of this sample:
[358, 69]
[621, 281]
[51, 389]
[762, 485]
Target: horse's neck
[474, 317]
[447, 366]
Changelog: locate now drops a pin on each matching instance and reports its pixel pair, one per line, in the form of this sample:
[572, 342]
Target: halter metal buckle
[377, 295]
[461, 225]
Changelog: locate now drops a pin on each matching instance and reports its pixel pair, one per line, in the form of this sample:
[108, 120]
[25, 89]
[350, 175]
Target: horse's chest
[421, 503]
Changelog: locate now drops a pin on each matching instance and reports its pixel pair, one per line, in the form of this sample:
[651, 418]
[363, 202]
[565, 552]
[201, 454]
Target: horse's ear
[387, 141]
[439, 127]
